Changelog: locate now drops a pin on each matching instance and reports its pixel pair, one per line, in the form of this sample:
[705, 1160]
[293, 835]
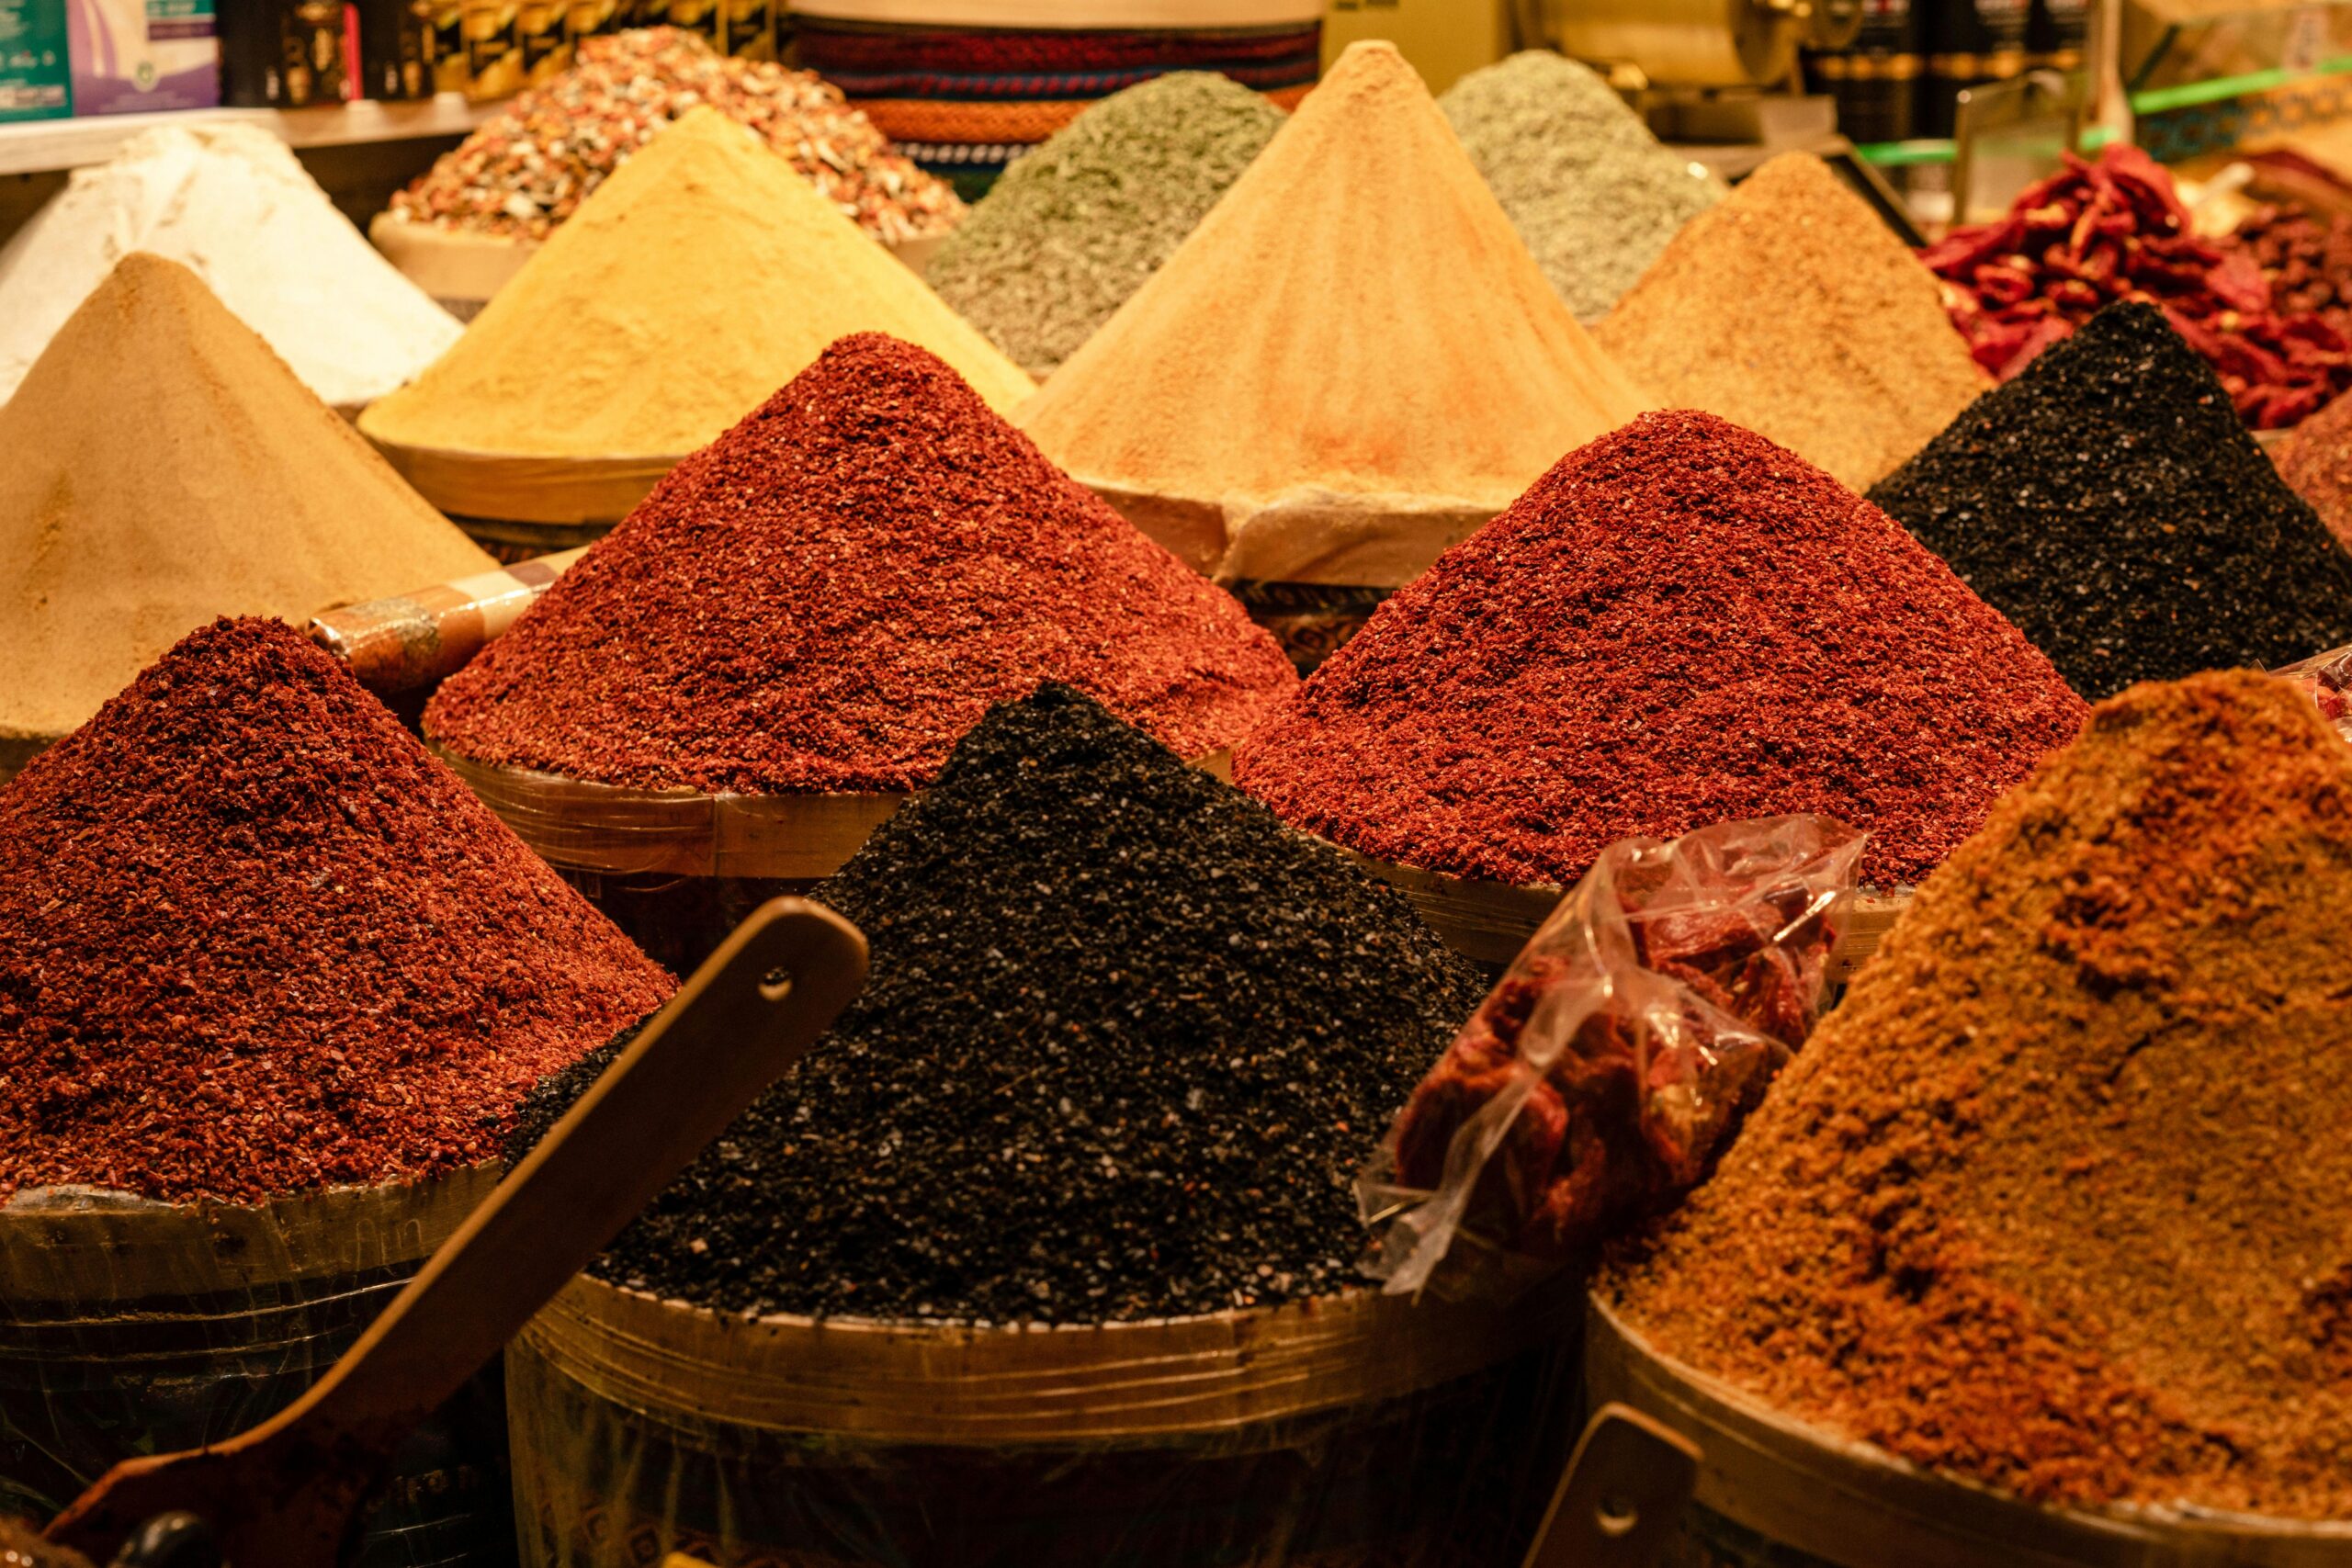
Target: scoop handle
[751, 1011]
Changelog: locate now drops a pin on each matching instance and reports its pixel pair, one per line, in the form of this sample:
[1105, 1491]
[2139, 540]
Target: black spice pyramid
[2108, 501]
[1125, 1042]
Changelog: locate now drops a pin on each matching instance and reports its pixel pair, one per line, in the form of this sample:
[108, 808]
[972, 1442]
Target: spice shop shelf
[1773, 1489]
[44, 146]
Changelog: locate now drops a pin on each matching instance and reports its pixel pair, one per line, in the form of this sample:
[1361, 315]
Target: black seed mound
[1125, 1042]
[2108, 501]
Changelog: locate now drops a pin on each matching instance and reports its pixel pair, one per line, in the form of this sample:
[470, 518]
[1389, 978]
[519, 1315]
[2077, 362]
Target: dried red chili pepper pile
[254, 941]
[2305, 257]
[1627, 1043]
[2097, 232]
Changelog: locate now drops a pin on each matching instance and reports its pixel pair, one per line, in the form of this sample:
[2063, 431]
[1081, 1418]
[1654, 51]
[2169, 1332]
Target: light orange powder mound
[1355, 316]
[164, 467]
[702, 276]
[1791, 308]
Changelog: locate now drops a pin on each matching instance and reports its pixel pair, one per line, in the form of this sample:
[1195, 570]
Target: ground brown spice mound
[2055, 1200]
[252, 940]
[1792, 310]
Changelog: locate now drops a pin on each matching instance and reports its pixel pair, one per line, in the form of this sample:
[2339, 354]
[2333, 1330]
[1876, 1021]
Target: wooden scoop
[286, 1494]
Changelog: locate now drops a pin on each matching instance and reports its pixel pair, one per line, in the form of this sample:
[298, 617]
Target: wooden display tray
[565, 496]
[1490, 921]
[901, 1383]
[1816, 1498]
[577, 825]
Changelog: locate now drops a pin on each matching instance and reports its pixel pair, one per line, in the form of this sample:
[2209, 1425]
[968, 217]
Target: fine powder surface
[2108, 501]
[254, 940]
[232, 204]
[1792, 310]
[698, 279]
[1681, 623]
[530, 166]
[1124, 1042]
[164, 468]
[2054, 1199]
[831, 595]
[2317, 466]
[1595, 196]
[1356, 314]
[1074, 226]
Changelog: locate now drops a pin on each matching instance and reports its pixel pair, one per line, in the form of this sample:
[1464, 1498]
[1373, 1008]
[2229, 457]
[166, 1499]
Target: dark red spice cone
[254, 941]
[1681, 623]
[828, 597]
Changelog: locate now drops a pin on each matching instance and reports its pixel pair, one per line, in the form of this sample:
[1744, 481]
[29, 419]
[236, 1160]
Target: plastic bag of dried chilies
[2096, 232]
[1600, 1080]
[2327, 679]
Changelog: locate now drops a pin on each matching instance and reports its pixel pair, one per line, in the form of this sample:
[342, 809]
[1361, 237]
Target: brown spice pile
[2316, 463]
[2056, 1199]
[1356, 314]
[162, 467]
[254, 940]
[1792, 310]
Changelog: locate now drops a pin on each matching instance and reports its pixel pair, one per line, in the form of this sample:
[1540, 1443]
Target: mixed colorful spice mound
[531, 165]
[1124, 1040]
[830, 595]
[1681, 623]
[2097, 232]
[2054, 1199]
[2108, 503]
[254, 940]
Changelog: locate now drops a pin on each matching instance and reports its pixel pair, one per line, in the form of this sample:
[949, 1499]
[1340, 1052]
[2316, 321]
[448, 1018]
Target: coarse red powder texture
[254, 940]
[1681, 623]
[2055, 1200]
[828, 597]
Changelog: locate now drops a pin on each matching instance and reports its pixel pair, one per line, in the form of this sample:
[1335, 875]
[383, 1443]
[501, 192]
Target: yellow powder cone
[1791, 308]
[1351, 362]
[164, 468]
[701, 276]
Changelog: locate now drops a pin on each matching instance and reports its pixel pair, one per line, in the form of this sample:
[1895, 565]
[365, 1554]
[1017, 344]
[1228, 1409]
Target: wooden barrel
[1490, 921]
[517, 507]
[677, 869]
[132, 1327]
[1357, 1429]
[1775, 1492]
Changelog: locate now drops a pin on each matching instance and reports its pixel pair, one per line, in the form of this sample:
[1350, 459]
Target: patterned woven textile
[964, 102]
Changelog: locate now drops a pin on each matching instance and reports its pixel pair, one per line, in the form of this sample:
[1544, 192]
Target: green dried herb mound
[1595, 196]
[1075, 227]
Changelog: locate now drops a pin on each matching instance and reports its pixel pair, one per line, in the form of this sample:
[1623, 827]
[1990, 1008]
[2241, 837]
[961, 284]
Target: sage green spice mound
[1073, 228]
[1595, 196]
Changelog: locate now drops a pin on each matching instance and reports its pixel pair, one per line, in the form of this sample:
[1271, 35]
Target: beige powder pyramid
[1791, 308]
[702, 276]
[1351, 363]
[164, 467]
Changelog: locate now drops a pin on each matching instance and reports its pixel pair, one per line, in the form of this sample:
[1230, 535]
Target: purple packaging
[130, 56]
